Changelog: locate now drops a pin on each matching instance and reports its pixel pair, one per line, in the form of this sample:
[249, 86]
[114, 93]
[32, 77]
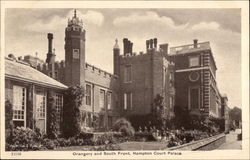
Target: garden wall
[204, 144]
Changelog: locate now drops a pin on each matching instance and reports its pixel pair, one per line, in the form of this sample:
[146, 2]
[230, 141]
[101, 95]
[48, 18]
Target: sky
[26, 33]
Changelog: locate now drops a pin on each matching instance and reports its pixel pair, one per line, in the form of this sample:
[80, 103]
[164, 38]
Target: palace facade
[184, 76]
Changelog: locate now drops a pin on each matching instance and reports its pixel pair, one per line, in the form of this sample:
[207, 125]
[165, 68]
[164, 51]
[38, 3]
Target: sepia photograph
[123, 81]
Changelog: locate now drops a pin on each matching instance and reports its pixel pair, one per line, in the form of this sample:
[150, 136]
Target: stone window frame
[125, 101]
[125, 79]
[17, 111]
[102, 90]
[189, 97]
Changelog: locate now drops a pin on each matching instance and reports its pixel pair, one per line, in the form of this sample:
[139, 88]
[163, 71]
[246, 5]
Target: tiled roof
[189, 48]
[24, 72]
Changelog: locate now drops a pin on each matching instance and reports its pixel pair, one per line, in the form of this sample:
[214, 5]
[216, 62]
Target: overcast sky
[26, 33]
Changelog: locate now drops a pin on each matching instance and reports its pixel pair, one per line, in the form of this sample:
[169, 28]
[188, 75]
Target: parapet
[189, 48]
[99, 71]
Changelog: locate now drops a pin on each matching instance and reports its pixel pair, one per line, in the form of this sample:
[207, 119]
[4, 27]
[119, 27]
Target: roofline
[36, 82]
[188, 45]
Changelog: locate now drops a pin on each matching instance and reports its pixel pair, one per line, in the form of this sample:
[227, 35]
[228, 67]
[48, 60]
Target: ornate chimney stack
[116, 58]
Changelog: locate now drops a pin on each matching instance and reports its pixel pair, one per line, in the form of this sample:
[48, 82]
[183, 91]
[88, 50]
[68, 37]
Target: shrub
[84, 135]
[22, 139]
[49, 144]
[124, 126]
[104, 139]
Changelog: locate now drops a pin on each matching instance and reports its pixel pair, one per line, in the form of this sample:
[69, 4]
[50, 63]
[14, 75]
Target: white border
[225, 154]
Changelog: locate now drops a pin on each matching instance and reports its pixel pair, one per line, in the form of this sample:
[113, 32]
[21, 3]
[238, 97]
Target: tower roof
[75, 20]
[116, 46]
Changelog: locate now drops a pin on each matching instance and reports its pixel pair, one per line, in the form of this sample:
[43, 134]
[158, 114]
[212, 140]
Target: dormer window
[194, 61]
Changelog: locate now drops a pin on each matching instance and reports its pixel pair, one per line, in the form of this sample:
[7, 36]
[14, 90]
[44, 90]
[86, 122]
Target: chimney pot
[151, 43]
[125, 46]
[131, 47]
[11, 56]
[195, 43]
[155, 42]
[50, 37]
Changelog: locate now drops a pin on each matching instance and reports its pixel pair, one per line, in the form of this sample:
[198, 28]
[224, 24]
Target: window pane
[40, 105]
[19, 102]
[193, 61]
[125, 101]
[128, 101]
[88, 94]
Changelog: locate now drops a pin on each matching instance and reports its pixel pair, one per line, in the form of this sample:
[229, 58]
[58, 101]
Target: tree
[71, 110]
[235, 115]
[158, 113]
[182, 117]
[53, 127]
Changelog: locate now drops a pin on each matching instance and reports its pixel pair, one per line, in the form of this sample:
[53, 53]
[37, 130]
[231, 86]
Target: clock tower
[74, 52]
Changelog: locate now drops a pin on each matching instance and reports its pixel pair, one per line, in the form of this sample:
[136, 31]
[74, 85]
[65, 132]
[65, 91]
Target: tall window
[194, 61]
[109, 95]
[194, 98]
[59, 105]
[127, 73]
[19, 106]
[127, 101]
[88, 94]
[102, 99]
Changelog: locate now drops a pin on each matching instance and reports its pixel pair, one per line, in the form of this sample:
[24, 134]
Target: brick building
[185, 76]
[195, 79]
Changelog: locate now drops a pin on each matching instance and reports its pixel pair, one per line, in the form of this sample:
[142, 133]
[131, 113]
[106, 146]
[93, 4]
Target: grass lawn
[143, 145]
